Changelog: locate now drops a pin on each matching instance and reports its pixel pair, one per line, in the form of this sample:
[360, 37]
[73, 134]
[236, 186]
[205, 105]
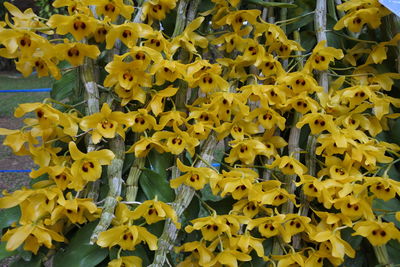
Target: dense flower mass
[227, 87]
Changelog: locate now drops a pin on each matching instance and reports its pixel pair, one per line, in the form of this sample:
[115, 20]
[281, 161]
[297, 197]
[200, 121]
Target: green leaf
[207, 195]
[302, 21]
[79, 252]
[129, 158]
[271, 4]
[308, 40]
[391, 206]
[9, 216]
[63, 88]
[154, 184]
[393, 250]
[160, 162]
[5, 253]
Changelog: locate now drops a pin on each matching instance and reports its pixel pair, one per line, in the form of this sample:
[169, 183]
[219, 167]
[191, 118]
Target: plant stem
[180, 22]
[182, 200]
[320, 30]
[138, 16]
[114, 173]
[382, 256]
[133, 179]
[92, 107]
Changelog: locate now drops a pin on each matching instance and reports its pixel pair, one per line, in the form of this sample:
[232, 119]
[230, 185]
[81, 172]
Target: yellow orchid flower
[340, 248]
[145, 55]
[61, 175]
[123, 215]
[74, 6]
[41, 64]
[300, 82]
[352, 55]
[101, 31]
[284, 48]
[383, 187]
[22, 42]
[77, 210]
[127, 74]
[321, 57]
[318, 123]
[188, 39]
[288, 165]
[157, 10]
[238, 129]
[290, 259]
[194, 177]
[166, 70]
[378, 233]
[199, 250]
[88, 166]
[213, 226]
[16, 140]
[75, 53]
[270, 193]
[354, 207]
[237, 19]
[27, 19]
[129, 94]
[141, 121]
[113, 8]
[295, 224]
[334, 219]
[268, 118]
[302, 103]
[106, 123]
[268, 226]
[47, 119]
[228, 257]
[253, 54]
[154, 211]
[171, 118]
[127, 237]
[79, 25]
[225, 105]
[156, 104]
[204, 117]
[246, 207]
[128, 33]
[132, 261]
[246, 151]
[145, 144]
[177, 141]
[361, 15]
[33, 234]
[157, 42]
[238, 187]
[232, 40]
[271, 66]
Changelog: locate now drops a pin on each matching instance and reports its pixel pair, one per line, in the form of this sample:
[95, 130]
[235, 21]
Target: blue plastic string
[26, 90]
[3, 171]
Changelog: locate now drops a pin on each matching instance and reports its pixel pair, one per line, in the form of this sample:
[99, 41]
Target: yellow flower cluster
[245, 97]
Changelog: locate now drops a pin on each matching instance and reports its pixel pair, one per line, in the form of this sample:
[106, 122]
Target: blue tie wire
[6, 171]
[39, 90]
